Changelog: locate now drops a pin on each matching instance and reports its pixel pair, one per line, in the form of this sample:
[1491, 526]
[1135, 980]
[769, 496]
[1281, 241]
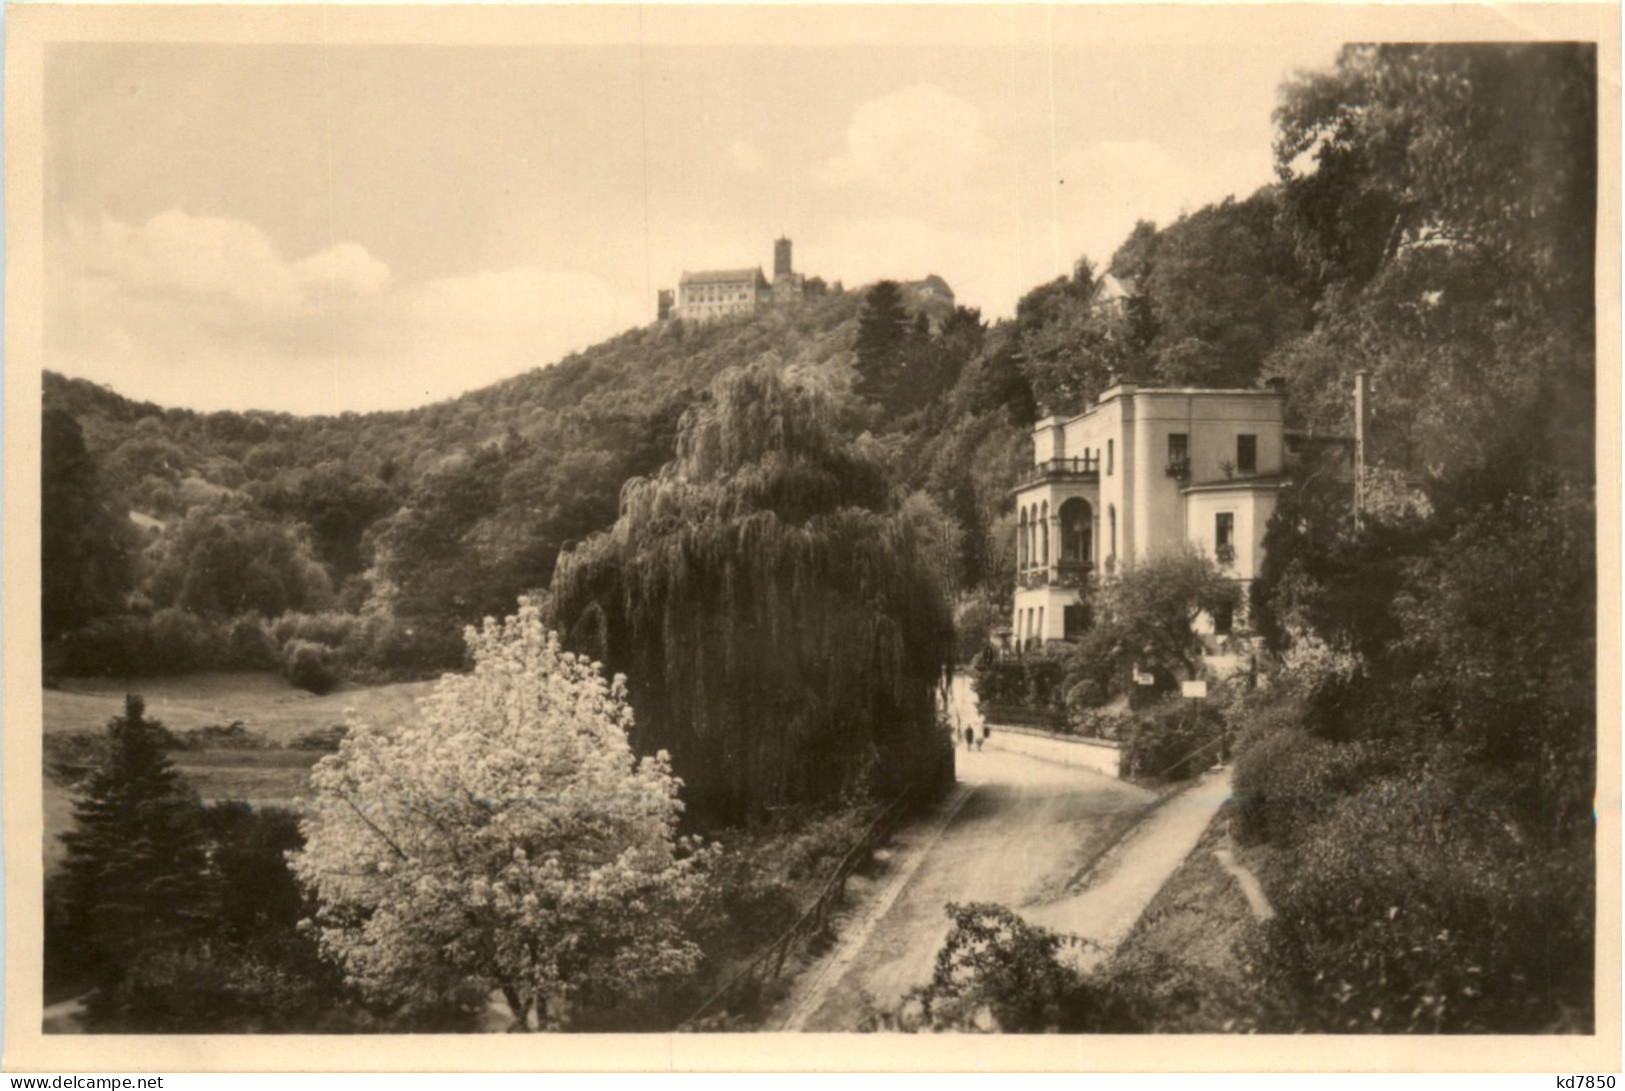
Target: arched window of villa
[1077, 530]
[1043, 535]
[1111, 515]
[1021, 541]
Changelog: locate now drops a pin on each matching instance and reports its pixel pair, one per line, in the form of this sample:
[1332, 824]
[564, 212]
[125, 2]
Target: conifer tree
[136, 873]
[882, 335]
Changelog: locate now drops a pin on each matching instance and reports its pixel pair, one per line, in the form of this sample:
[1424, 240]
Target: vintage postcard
[812, 536]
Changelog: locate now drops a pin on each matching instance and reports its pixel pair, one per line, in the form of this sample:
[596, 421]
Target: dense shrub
[232, 736]
[329, 628]
[1084, 696]
[1175, 740]
[1100, 723]
[381, 648]
[116, 646]
[310, 666]
[170, 641]
[1406, 910]
[1034, 681]
[181, 642]
[327, 738]
[996, 972]
[1286, 780]
[248, 645]
[256, 970]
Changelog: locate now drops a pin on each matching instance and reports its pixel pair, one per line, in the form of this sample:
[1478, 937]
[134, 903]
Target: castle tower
[781, 258]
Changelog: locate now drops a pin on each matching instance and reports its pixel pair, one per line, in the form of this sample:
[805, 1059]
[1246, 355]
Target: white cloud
[919, 140]
[746, 157]
[346, 268]
[205, 313]
[205, 256]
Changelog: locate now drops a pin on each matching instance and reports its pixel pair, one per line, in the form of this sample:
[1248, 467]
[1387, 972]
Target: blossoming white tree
[505, 839]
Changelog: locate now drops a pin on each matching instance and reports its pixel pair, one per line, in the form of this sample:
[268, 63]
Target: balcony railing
[1060, 574]
[1179, 467]
[1080, 468]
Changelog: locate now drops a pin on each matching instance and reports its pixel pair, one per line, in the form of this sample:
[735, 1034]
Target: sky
[322, 228]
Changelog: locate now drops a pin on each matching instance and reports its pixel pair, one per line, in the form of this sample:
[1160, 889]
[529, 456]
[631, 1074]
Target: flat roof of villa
[1122, 390]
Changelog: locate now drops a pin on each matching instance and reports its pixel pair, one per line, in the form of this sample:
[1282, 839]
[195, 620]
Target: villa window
[1247, 454]
[1179, 453]
[1224, 537]
[1111, 455]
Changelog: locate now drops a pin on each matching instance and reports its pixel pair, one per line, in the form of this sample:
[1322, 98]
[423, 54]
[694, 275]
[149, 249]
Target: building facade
[1145, 469]
[719, 293]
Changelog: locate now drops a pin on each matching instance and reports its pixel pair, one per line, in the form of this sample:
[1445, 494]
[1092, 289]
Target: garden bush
[1101, 723]
[1034, 681]
[310, 666]
[1404, 911]
[996, 972]
[1175, 740]
[1287, 779]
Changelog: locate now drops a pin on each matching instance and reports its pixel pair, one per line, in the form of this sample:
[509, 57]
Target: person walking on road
[970, 737]
[987, 730]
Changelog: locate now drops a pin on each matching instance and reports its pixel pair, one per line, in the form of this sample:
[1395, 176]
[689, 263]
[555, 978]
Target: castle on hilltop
[718, 293]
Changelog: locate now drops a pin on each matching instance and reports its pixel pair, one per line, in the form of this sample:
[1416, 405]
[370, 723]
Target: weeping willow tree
[780, 622]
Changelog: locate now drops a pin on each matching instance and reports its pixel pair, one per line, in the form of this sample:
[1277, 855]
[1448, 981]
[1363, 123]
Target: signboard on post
[1197, 688]
[1141, 679]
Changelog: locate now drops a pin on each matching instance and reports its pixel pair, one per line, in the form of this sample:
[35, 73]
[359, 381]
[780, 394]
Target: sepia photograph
[721, 526]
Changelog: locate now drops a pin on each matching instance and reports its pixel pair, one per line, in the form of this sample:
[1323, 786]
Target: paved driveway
[1018, 831]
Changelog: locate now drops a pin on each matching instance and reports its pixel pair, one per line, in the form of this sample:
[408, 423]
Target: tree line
[769, 553]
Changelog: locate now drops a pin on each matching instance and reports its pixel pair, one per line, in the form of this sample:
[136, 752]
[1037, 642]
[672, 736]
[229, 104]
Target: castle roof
[723, 276]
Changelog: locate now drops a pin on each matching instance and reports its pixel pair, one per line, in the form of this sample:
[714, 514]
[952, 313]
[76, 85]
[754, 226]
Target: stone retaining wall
[1099, 755]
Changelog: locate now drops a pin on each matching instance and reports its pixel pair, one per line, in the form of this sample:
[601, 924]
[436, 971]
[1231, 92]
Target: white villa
[1143, 469]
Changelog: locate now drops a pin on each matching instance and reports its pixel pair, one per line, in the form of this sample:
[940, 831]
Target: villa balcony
[1084, 468]
[1064, 574]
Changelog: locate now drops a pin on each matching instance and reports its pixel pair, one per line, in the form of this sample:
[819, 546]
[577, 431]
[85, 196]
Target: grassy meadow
[264, 703]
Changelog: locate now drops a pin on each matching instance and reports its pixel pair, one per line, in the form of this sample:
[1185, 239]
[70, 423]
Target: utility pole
[1362, 428]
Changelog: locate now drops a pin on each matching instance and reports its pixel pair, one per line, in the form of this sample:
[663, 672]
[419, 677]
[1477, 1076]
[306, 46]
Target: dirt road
[1018, 832]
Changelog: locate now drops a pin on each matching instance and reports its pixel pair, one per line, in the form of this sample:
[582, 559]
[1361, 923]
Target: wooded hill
[1468, 304]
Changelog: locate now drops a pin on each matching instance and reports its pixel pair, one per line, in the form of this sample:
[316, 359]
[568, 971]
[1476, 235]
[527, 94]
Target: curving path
[1017, 831]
